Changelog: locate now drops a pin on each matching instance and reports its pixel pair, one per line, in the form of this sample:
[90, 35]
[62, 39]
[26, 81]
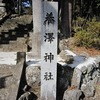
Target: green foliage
[87, 34]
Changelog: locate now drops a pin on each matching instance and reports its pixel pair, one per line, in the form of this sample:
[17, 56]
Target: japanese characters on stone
[48, 76]
[49, 19]
[49, 57]
[49, 36]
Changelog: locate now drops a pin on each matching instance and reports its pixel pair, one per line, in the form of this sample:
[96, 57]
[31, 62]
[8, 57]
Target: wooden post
[37, 28]
[49, 51]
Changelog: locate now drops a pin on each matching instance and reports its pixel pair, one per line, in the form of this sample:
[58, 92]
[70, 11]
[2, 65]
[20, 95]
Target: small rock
[74, 94]
[24, 96]
[88, 90]
[98, 61]
[66, 58]
[33, 75]
[63, 44]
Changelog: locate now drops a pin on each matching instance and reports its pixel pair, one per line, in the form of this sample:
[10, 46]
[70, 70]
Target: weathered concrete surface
[8, 58]
[10, 77]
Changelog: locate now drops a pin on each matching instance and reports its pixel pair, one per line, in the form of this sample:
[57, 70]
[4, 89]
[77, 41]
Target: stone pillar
[49, 51]
[37, 22]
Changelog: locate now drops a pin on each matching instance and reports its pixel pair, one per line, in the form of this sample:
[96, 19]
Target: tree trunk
[66, 18]
[19, 6]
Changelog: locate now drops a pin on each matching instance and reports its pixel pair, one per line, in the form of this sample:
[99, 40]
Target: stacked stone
[85, 77]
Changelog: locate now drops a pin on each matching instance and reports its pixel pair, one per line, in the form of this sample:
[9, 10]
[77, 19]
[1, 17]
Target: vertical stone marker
[37, 28]
[49, 51]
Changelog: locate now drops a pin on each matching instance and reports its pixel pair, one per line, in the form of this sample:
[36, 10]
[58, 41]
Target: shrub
[87, 35]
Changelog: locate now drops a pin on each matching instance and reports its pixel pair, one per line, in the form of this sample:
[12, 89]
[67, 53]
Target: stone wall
[85, 78]
[77, 77]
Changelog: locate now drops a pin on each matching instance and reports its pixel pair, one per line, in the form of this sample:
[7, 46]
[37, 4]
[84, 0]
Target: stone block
[88, 90]
[76, 79]
[73, 94]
